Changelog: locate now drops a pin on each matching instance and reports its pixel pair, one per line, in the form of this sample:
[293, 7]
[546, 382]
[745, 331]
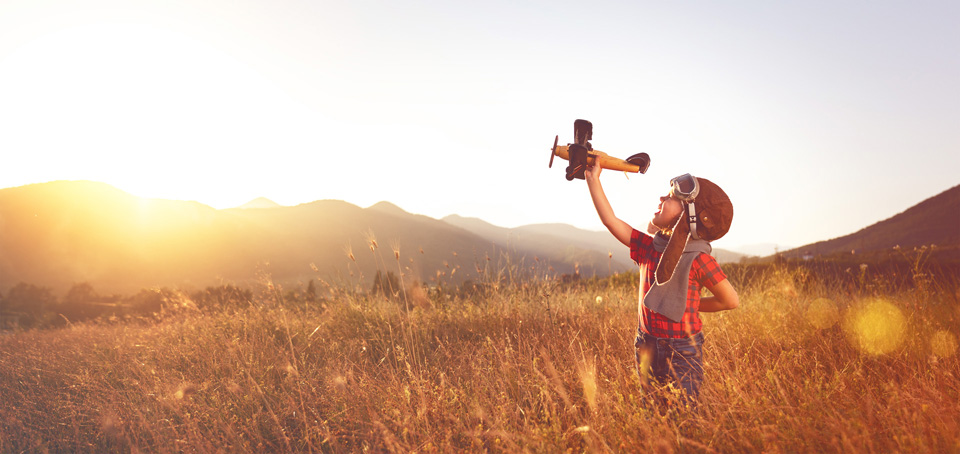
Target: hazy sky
[817, 117]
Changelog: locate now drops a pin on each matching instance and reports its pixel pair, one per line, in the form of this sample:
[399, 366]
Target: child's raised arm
[620, 229]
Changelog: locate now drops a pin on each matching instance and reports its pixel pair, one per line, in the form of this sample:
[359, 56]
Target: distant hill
[260, 202]
[933, 221]
[388, 208]
[555, 242]
[62, 233]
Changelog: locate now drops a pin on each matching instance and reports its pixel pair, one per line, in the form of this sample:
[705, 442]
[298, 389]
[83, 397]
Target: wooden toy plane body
[606, 161]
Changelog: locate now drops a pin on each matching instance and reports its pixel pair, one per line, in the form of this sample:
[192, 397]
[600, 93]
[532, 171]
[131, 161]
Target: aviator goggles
[686, 188]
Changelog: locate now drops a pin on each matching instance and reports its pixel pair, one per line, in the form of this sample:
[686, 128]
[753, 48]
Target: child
[675, 263]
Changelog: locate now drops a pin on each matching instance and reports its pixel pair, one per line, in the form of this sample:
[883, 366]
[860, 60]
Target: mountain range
[63, 233]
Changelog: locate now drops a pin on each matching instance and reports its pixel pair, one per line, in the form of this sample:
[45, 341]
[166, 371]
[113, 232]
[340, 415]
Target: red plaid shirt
[704, 272]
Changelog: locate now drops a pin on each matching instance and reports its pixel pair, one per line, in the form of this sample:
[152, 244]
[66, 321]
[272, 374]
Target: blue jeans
[665, 360]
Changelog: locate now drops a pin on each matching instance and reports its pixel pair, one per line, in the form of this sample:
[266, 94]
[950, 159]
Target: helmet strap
[692, 219]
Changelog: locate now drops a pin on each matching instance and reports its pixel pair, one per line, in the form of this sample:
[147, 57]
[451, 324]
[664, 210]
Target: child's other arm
[620, 229]
[724, 298]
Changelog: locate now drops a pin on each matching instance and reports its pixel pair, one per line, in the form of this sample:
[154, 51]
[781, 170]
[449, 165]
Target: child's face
[668, 212]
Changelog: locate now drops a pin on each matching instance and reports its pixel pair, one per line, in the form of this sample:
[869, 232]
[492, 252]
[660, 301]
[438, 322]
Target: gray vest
[670, 298]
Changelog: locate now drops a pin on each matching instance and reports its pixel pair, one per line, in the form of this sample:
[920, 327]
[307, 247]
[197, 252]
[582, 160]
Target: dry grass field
[808, 363]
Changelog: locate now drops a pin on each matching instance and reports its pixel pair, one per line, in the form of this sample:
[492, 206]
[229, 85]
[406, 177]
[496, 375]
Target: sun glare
[153, 111]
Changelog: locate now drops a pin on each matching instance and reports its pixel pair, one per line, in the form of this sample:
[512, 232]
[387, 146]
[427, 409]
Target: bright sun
[150, 110]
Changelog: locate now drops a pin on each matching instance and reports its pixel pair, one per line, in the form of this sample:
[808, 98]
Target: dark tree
[79, 303]
[389, 285]
[311, 292]
[30, 301]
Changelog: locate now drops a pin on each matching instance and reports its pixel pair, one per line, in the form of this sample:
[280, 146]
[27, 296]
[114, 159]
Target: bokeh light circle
[822, 313]
[878, 327]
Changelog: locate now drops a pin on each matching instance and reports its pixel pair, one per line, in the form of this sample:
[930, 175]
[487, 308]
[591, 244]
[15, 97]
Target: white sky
[817, 117]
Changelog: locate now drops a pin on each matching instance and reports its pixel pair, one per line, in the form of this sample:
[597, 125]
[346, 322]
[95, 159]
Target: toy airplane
[582, 155]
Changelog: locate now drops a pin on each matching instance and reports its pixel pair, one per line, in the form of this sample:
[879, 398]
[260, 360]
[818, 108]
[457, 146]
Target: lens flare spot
[823, 313]
[877, 328]
[943, 344]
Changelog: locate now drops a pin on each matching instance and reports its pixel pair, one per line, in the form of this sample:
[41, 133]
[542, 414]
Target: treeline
[27, 306]
[30, 306]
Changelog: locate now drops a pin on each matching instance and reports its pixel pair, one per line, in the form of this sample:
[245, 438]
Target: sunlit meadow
[812, 361]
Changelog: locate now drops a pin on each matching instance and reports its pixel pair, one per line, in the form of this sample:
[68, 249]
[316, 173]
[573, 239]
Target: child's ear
[671, 255]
